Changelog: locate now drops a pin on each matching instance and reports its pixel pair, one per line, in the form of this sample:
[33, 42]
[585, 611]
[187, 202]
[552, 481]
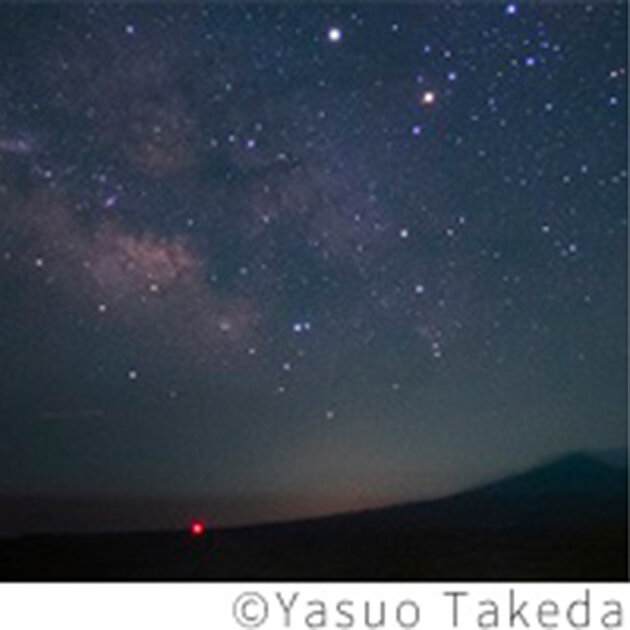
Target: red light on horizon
[197, 529]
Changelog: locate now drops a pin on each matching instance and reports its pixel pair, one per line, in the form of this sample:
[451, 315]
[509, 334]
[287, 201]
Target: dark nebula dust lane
[278, 261]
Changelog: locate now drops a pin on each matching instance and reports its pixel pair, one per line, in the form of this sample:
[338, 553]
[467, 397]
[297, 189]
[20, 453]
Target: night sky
[285, 260]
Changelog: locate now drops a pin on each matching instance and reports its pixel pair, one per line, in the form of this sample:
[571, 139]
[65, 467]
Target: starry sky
[283, 260]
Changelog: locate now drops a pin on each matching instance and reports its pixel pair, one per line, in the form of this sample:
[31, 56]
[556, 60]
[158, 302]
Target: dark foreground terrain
[564, 521]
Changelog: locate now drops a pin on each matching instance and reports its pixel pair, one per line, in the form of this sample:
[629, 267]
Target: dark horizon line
[591, 457]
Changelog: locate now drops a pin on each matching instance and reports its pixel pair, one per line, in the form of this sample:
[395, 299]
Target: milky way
[303, 259]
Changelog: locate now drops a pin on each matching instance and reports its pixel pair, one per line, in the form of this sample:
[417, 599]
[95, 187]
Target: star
[334, 34]
[225, 325]
[110, 201]
[428, 98]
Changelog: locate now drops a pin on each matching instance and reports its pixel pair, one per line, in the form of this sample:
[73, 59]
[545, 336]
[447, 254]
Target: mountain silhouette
[565, 520]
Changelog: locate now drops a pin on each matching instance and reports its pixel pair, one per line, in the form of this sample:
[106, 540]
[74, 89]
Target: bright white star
[334, 34]
[428, 98]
